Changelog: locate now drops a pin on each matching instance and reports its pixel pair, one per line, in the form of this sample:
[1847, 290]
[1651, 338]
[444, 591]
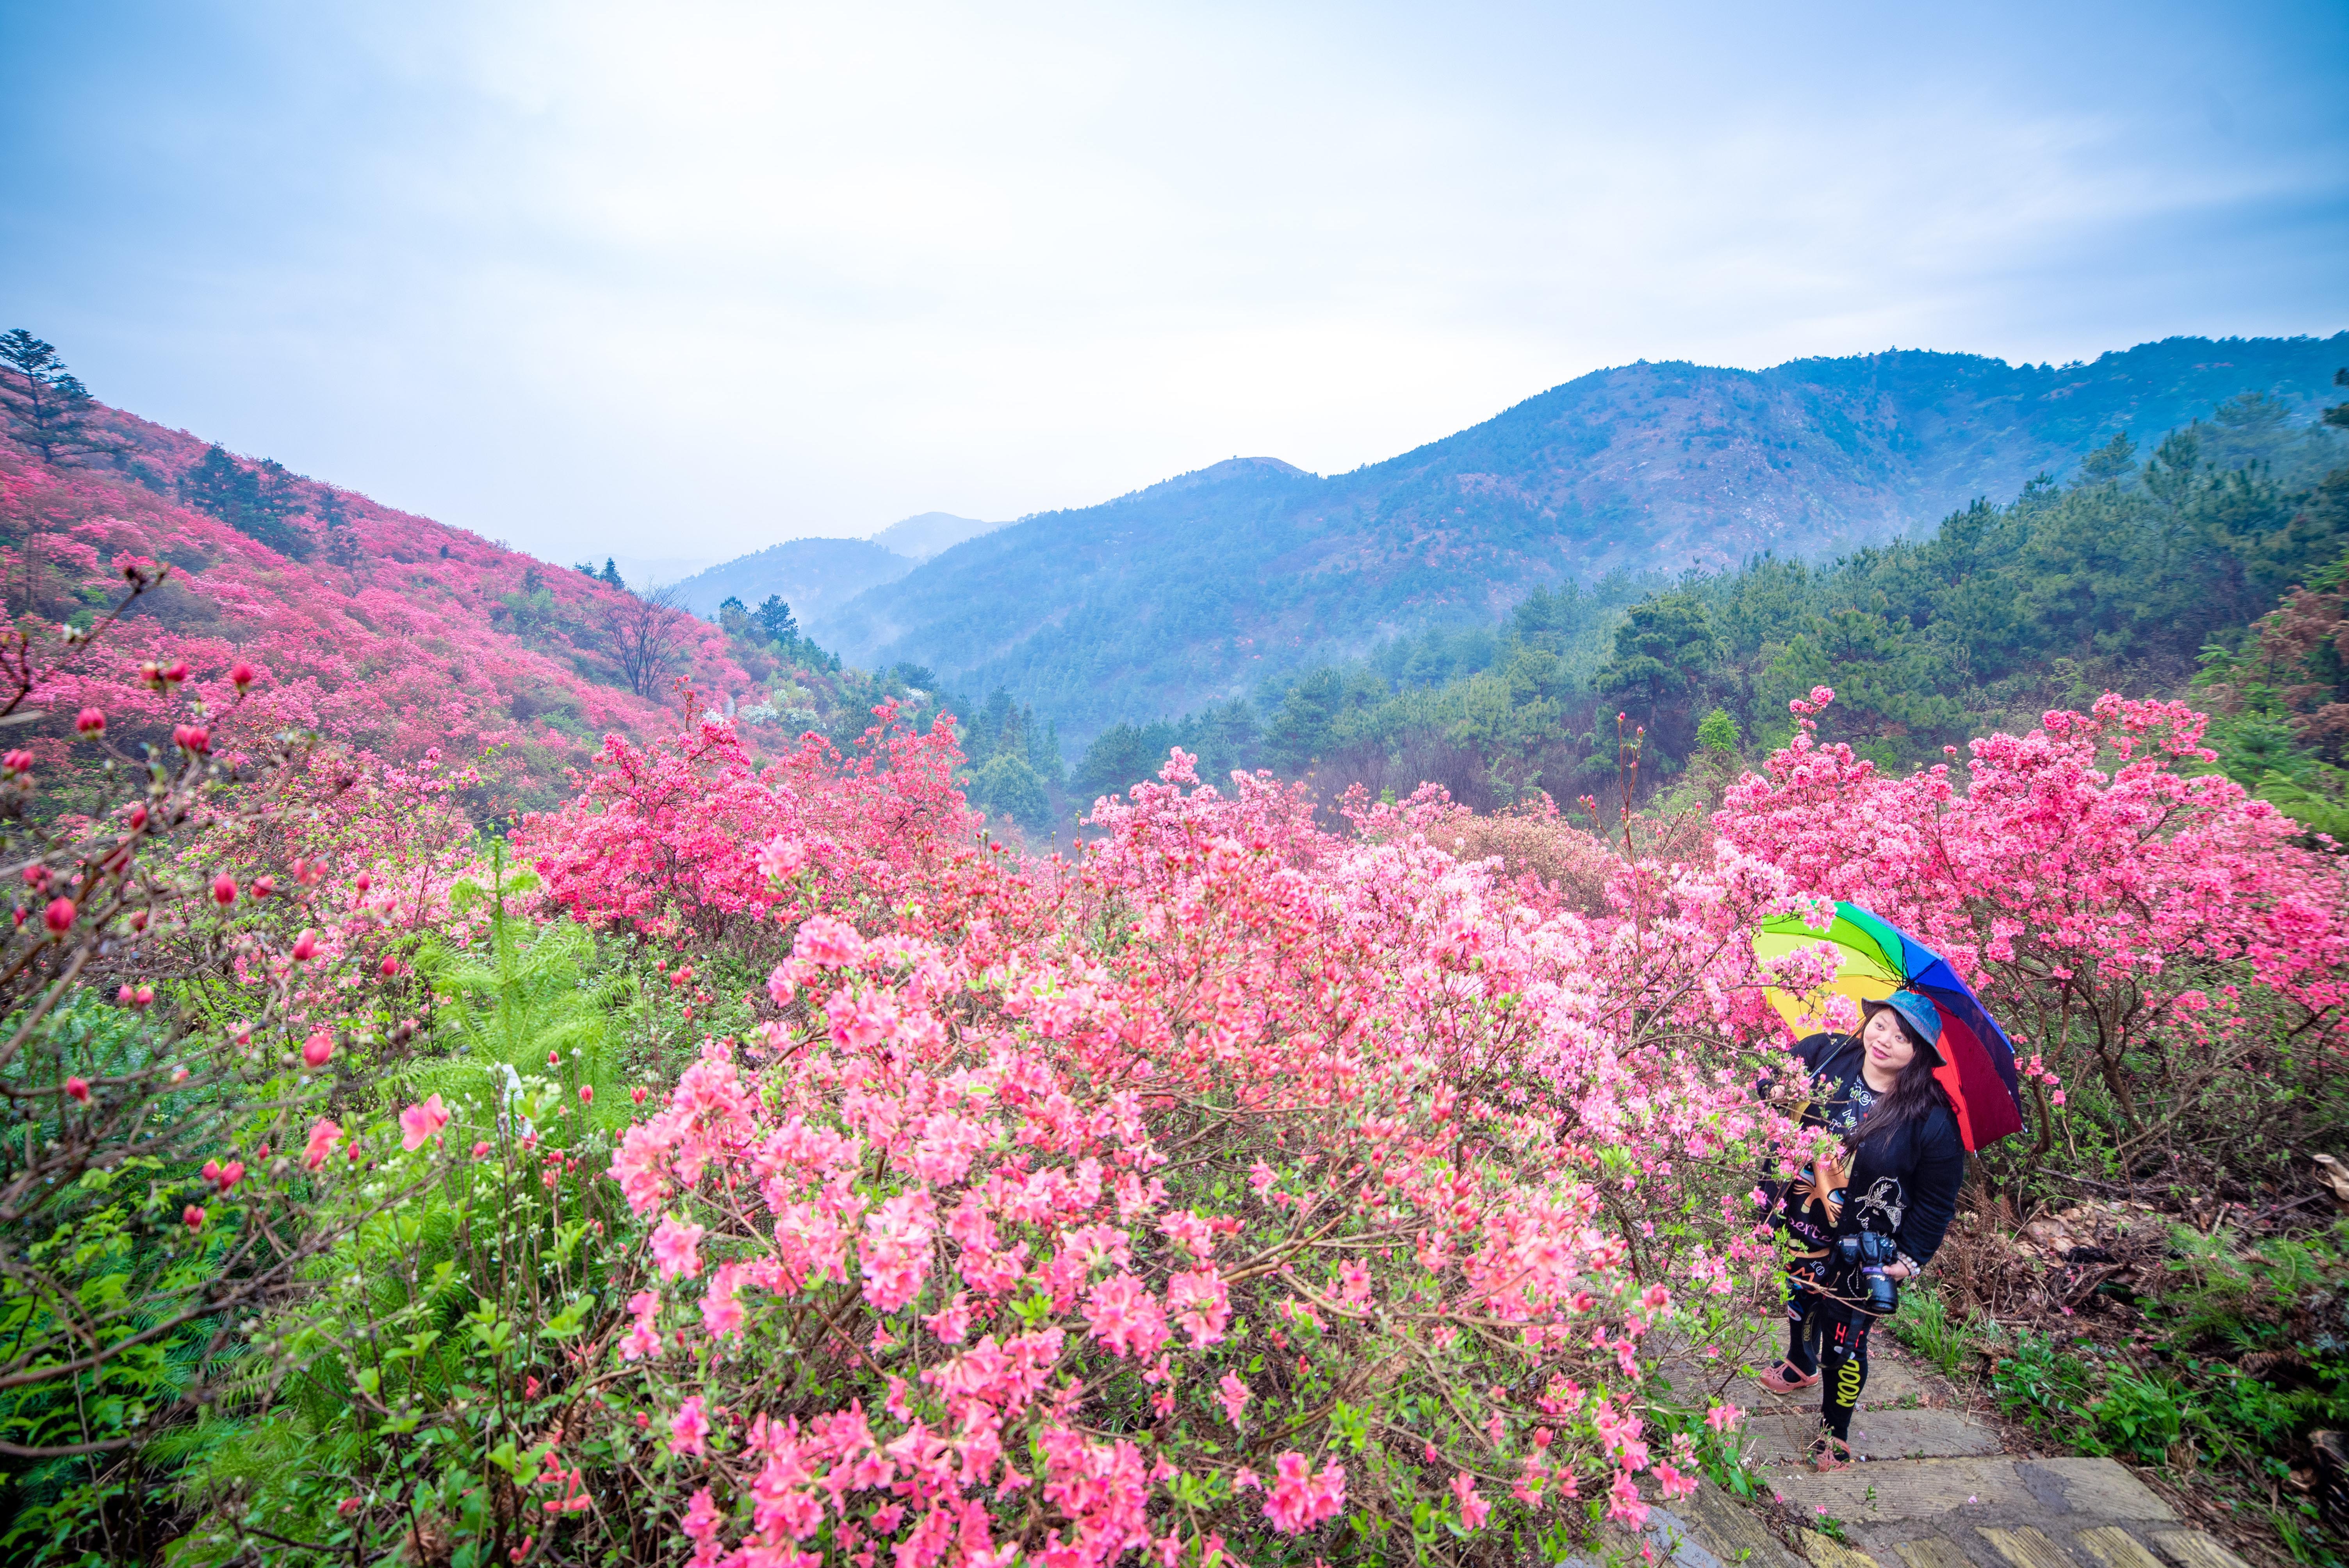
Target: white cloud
[683, 280]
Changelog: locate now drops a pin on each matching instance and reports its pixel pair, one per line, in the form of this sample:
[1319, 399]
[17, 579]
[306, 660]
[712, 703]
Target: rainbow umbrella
[1878, 959]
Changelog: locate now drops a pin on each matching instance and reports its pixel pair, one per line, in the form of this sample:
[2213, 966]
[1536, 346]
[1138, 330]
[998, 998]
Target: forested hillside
[1198, 589]
[396, 636]
[2215, 558]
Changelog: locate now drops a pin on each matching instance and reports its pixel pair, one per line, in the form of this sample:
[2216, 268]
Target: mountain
[1196, 590]
[927, 533]
[814, 576]
[382, 631]
[817, 576]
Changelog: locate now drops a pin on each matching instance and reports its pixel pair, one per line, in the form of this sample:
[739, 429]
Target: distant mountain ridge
[814, 576]
[928, 533]
[817, 577]
[1194, 590]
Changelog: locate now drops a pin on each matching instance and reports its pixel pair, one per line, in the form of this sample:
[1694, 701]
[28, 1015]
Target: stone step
[2020, 1546]
[1778, 1438]
[2090, 1490]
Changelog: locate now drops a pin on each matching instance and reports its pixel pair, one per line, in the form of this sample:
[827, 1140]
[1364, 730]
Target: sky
[675, 282]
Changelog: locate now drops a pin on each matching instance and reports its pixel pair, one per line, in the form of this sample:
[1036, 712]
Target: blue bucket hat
[1924, 1020]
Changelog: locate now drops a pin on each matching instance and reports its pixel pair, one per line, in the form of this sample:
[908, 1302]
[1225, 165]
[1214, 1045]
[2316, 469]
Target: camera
[1867, 1253]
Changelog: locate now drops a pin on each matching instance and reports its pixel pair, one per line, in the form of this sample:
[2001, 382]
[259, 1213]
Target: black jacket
[1904, 1181]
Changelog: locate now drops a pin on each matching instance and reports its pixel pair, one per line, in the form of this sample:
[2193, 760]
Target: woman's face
[1889, 1046]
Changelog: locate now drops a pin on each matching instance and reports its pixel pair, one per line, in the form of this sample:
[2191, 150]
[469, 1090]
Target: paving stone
[2026, 1547]
[1931, 1551]
[2101, 1489]
[1910, 1489]
[2116, 1548]
[1679, 1540]
[1920, 1434]
[1826, 1552]
[2193, 1549]
[1877, 1434]
[1733, 1532]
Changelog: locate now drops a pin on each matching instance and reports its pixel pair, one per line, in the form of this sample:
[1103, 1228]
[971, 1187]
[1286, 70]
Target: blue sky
[677, 282]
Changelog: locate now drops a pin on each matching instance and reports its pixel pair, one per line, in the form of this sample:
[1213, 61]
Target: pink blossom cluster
[2104, 890]
[1058, 1174]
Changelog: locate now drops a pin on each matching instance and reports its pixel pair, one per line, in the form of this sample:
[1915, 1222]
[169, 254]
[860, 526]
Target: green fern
[525, 997]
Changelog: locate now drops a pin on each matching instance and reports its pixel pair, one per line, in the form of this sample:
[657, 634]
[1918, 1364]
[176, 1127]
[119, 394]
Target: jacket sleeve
[1940, 1169]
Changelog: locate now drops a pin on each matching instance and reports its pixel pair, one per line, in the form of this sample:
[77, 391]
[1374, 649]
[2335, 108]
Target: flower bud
[317, 1049]
[241, 676]
[90, 721]
[59, 915]
[305, 947]
[193, 1217]
[224, 890]
[78, 1091]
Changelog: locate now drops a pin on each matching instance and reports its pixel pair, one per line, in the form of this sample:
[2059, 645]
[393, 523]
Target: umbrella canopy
[1875, 959]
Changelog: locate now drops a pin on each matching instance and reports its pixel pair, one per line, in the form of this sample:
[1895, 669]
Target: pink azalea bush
[1235, 1179]
[2128, 916]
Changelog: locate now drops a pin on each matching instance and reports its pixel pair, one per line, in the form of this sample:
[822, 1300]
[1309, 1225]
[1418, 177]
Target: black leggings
[1827, 1336]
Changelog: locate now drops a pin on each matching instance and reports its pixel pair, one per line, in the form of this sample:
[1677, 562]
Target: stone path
[1935, 1491]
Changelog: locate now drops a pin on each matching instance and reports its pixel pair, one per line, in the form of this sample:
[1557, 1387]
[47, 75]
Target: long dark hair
[1914, 1094]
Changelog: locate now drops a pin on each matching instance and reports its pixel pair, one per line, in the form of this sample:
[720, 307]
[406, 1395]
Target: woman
[1895, 1174]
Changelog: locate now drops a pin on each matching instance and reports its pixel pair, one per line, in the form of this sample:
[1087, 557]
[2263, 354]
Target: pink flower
[1671, 1482]
[420, 1122]
[643, 1337]
[721, 1307]
[323, 1134]
[1473, 1510]
[676, 1248]
[1234, 1395]
[1724, 1418]
[1126, 1317]
[224, 890]
[59, 916]
[1201, 1305]
[688, 1428]
[825, 940]
[90, 721]
[1623, 1501]
[305, 947]
[193, 1217]
[782, 856]
[1298, 1499]
[78, 1091]
[586, 1094]
[317, 1049]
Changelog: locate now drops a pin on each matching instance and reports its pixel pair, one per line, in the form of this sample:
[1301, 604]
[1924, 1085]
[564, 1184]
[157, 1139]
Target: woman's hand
[1897, 1271]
